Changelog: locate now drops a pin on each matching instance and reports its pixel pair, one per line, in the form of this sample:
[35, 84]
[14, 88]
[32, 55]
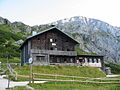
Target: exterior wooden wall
[62, 42]
[25, 54]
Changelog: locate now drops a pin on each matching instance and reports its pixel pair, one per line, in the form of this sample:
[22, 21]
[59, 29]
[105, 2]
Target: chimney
[34, 33]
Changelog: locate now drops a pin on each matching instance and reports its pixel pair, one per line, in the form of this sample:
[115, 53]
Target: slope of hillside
[60, 70]
[8, 37]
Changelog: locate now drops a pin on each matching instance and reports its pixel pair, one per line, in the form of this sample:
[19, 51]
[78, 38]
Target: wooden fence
[72, 78]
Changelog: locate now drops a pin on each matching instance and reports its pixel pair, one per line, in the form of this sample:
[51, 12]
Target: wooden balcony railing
[54, 52]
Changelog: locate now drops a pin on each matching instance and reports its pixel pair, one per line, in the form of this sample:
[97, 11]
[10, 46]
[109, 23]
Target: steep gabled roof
[47, 31]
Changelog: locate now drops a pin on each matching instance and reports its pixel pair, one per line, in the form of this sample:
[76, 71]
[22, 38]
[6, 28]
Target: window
[58, 60]
[95, 60]
[38, 38]
[53, 44]
[71, 60]
[38, 47]
[40, 58]
[54, 40]
[99, 60]
[85, 60]
[55, 49]
[51, 48]
[90, 60]
[65, 60]
[51, 40]
[68, 49]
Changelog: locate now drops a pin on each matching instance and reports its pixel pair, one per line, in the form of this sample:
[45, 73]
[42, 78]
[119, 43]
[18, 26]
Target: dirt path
[4, 83]
[112, 75]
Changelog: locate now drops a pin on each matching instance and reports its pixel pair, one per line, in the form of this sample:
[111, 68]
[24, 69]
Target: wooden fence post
[32, 78]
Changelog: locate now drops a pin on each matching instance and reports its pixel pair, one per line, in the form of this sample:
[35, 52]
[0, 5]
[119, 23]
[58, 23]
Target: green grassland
[74, 86]
[81, 71]
[11, 60]
[59, 70]
[69, 86]
[8, 36]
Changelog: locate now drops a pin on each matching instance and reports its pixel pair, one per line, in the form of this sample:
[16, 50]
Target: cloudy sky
[35, 12]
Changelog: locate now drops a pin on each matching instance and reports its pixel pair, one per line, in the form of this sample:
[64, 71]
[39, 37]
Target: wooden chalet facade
[51, 47]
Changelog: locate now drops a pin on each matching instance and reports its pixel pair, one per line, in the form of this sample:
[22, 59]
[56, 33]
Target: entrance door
[40, 59]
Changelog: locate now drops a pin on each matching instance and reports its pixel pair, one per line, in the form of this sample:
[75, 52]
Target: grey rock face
[94, 36]
[15, 24]
[1, 20]
[21, 26]
[5, 21]
[19, 42]
[27, 29]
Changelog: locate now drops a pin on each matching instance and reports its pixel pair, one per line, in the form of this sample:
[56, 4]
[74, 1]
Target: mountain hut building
[54, 47]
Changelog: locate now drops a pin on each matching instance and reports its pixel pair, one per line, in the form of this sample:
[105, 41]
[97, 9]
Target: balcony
[54, 52]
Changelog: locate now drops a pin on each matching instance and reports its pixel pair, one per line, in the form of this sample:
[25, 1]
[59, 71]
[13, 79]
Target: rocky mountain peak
[4, 21]
[94, 35]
